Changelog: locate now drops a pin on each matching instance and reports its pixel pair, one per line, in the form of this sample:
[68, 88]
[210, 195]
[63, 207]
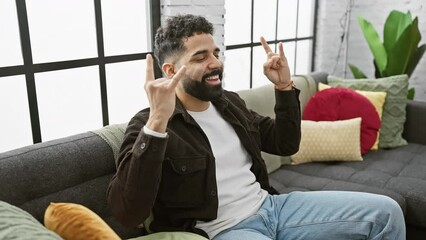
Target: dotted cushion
[393, 117]
[329, 141]
[341, 104]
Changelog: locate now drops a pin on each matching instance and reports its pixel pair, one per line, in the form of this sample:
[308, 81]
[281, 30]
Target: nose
[215, 62]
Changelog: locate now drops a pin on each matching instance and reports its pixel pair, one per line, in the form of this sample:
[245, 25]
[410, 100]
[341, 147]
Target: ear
[168, 69]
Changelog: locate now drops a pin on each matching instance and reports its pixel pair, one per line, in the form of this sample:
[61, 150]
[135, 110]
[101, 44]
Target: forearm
[282, 135]
[134, 187]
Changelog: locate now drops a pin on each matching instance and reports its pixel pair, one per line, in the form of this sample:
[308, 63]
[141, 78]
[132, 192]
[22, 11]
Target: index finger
[265, 45]
[149, 68]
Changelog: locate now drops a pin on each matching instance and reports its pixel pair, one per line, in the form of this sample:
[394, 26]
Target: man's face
[203, 77]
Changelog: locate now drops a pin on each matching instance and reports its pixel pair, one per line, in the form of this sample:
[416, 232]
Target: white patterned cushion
[329, 141]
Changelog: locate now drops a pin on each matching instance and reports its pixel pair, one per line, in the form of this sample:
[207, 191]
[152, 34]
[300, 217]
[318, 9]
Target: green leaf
[404, 50]
[356, 72]
[411, 93]
[394, 26]
[376, 46]
[416, 59]
[377, 73]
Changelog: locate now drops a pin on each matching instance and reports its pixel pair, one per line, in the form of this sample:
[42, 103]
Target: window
[288, 21]
[68, 73]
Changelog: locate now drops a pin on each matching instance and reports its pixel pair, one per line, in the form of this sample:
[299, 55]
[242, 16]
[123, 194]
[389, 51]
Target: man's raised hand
[276, 67]
[161, 96]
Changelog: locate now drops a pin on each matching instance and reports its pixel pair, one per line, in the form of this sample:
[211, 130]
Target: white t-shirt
[240, 195]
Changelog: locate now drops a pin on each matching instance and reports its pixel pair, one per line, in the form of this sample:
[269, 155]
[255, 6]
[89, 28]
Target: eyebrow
[205, 51]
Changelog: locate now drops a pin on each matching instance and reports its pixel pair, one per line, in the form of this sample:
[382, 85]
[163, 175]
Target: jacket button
[143, 145]
[213, 193]
[183, 168]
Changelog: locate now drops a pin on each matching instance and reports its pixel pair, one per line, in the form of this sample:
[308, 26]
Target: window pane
[237, 22]
[287, 19]
[124, 26]
[264, 19]
[126, 93]
[259, 58]
[15, 123]
[62, 30]
[304, 55]
[237, 69]
[69, 102]
[10, 47]
[305, 27]
[289, 51]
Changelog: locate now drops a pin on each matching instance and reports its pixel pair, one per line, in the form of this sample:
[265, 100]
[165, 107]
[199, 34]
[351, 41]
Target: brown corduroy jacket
[174, 179]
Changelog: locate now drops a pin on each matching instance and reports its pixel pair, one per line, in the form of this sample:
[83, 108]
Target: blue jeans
[322, 215]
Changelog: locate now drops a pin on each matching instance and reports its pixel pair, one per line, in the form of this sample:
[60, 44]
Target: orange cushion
[74, 222]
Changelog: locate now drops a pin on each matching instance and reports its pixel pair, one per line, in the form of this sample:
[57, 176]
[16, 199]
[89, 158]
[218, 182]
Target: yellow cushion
[74, 222]
[376, 98]
[329, 141]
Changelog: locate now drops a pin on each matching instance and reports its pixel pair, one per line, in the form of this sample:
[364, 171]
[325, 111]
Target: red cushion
[341, 104]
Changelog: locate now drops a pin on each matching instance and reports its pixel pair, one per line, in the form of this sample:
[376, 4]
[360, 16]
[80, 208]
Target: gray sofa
[78, 168]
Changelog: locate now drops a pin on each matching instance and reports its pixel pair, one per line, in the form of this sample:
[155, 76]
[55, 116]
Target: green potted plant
[399, 53]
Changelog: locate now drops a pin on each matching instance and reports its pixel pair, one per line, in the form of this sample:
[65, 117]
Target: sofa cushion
[16, 223]
[171, 236]
[329, 141]
[394, 112]
[113, 135]
[341, 104]
[399, 173]
[76, 222]
[376, 98]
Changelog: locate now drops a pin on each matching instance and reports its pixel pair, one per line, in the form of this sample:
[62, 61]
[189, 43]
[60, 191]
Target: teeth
[213, 77]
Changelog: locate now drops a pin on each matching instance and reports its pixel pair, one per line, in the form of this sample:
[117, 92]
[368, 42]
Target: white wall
[212, 10]
[329, 31]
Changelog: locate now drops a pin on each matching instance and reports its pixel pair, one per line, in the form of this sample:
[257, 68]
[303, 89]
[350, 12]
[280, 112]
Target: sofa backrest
[73, 169]
[262, 99]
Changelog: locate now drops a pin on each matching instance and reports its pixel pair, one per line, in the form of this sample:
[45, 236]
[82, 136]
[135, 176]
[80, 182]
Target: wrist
[157, 124]
[285, 86]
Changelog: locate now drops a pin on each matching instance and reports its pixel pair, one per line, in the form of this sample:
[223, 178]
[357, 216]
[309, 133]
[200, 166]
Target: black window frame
[253, 44]
[29, 69]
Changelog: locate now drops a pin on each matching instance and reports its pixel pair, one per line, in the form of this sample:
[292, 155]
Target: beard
[202, 89]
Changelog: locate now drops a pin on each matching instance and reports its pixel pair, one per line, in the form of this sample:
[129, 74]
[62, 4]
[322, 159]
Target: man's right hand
[161, 96]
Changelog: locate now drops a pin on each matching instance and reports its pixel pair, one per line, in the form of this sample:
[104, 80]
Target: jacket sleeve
[282, 135]
[133, 189]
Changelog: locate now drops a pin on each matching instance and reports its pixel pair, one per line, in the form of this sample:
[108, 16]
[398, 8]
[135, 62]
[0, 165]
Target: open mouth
[213, 80]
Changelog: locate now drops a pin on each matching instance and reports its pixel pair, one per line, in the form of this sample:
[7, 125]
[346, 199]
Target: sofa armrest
[319, 77]
[414, 128]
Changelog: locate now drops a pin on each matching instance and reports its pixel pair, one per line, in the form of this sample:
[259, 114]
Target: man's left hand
[276, 67]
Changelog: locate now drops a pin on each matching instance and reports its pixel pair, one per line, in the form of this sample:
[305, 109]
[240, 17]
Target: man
[192, 160]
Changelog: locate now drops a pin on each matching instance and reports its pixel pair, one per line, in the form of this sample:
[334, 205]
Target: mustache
[214, 72]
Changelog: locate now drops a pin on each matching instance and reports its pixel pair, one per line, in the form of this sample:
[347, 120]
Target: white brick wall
[330, 16]
[212, 10]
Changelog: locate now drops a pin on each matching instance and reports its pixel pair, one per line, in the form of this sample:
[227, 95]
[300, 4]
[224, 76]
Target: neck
[191, 103]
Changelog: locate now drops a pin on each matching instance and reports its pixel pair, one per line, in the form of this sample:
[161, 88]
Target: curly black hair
[168, 39]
